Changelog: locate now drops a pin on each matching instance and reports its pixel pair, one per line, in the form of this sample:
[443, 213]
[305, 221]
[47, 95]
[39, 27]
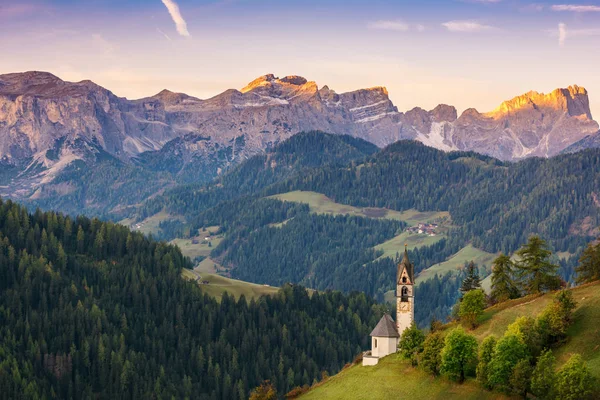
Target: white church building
[386, 335]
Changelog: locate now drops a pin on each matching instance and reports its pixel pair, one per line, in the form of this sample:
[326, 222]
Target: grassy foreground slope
[583, 336]
[395, 378]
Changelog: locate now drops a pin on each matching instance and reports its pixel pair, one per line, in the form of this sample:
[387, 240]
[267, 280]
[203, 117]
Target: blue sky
[469, 53]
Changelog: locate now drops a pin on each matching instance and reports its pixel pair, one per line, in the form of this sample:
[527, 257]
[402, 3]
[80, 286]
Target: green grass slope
[218, 284]
[412, 240]
[458, 260]
[583, 336]
[322, 204]
[393, 377]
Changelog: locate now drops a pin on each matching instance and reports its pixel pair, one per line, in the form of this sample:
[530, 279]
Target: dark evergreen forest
[89, 309]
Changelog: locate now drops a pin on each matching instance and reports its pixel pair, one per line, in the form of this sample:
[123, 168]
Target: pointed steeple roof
[406, 264]
[385, 328]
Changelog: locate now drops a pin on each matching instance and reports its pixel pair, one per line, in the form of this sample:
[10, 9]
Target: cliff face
[48, 123]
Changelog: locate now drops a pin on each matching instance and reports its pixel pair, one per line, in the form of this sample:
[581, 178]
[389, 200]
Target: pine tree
[588, 269]
[503, 286]
[537, 273]
[472, 280]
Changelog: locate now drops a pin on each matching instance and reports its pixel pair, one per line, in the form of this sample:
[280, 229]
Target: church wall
[384, 346]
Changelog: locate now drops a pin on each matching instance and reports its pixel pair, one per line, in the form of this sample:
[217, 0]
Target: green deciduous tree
[534, 268]
[554, 320]
[520, 379]
[486, 353]
[574, 380]
[526, 329]
[431, 359]
[459, 357]
[503, 284]
[588, 269]
[411, 343]
[543, 377]
[509, 350]
[471, 307]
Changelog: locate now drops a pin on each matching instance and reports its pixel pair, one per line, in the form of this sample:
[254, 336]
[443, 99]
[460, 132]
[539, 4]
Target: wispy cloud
[164, 34]
[483, 1]
[180, 23]
[579, 8]
[107, 47]
[467, 26]
[564, 33]
[533, 7]
[389, 25]
[14, 10]
[395, 25]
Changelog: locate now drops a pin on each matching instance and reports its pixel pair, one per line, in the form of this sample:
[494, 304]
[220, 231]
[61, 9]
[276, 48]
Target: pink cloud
[14, 10]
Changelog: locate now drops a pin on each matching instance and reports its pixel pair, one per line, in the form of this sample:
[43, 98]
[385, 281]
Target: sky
[467, 53]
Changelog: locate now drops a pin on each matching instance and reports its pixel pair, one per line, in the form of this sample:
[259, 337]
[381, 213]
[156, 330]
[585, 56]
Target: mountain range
[47, 124]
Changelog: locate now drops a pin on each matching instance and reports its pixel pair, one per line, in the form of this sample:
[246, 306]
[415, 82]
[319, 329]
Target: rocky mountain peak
[444, 113]
[572, 100]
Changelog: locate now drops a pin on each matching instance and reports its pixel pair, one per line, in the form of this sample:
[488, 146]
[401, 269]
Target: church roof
[385, 328]
[406, 264]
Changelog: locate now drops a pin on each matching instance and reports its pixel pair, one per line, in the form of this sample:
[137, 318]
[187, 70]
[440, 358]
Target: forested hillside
[494, 206]
[89, 309]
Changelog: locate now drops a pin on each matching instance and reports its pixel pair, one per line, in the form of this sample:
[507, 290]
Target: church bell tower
[405, 310]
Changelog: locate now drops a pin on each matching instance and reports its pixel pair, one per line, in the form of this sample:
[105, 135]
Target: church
[386, 335]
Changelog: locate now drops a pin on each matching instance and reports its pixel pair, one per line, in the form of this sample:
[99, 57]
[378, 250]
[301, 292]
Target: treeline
[89, 309]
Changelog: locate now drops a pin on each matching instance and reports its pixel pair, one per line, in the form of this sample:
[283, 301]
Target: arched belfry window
[403, 279]
[404, 291]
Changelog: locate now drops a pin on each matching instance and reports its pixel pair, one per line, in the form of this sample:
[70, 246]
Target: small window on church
[403, 279]
[375, 342]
